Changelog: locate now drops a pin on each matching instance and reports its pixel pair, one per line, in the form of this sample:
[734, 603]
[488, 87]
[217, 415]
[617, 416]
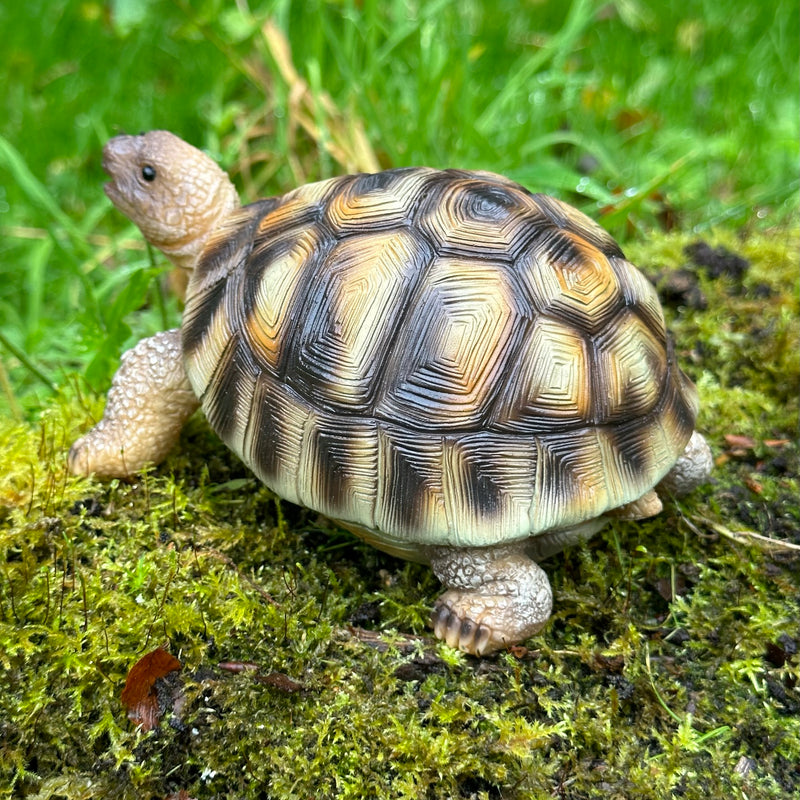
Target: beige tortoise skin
[459, 371]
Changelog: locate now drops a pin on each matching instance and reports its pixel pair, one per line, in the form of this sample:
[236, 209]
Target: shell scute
[640, 296]
[275, 435]
[567, 217]
[630, 368]
[229, 395]
[450, 353]
[571, 279]
[380, 201]
[487, 479]
[281, 265]
[338, 472]
[550, 384]
[410, 494]
[570, 478]
[350, 316]
[476, 218]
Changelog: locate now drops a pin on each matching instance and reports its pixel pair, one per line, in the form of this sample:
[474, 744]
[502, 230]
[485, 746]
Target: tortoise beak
[119, 160]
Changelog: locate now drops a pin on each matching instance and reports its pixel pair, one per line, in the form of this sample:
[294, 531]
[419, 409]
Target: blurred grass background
[646, 115]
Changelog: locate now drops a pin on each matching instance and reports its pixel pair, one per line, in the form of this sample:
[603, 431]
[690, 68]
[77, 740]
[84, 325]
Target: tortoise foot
[497, 597]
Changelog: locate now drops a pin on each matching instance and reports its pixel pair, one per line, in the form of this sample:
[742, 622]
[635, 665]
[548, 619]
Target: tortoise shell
[435, 358]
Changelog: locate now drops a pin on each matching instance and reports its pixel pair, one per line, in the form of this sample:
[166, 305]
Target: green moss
[667, 670]
[747, 337]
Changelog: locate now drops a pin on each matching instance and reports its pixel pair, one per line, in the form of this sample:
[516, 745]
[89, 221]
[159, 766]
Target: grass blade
[23, 359]
[557, 47]
[12, 161]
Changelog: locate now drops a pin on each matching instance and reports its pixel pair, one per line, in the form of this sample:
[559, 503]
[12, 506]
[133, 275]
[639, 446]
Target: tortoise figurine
[459, 371]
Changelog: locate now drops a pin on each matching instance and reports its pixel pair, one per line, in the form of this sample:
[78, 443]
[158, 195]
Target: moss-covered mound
[669, 669]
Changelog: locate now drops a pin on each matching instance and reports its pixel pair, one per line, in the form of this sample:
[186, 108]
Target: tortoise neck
[186, 252]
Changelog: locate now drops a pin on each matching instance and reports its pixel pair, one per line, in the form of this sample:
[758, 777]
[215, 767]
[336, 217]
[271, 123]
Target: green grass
[641, 114]
[668, 669]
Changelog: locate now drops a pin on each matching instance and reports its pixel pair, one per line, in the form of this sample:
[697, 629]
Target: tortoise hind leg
[496, 597]
[691, 470]
[149, 401]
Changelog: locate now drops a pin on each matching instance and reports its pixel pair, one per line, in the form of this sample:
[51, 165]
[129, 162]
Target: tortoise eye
[149, 173]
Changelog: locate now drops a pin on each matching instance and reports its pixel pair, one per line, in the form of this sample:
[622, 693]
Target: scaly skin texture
[149, 401]
[496, 595]
[175, 193]
[690, 470]
[178, 197]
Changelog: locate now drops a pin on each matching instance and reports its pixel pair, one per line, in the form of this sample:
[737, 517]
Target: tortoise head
[174, 193]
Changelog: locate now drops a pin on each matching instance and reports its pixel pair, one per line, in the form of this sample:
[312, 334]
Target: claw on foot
[496, 597]
[464, 634]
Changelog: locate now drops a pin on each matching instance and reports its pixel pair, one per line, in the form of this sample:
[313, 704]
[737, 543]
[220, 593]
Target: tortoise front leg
[149, 401]
[497, 596]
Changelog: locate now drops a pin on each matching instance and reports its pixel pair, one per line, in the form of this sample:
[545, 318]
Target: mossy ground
[669, 669]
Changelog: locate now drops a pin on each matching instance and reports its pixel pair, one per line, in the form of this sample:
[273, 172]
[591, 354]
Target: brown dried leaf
[347, 142]
[280, 681]
[740, 442]
[753, 485]
[139, 695]
[614, 664]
